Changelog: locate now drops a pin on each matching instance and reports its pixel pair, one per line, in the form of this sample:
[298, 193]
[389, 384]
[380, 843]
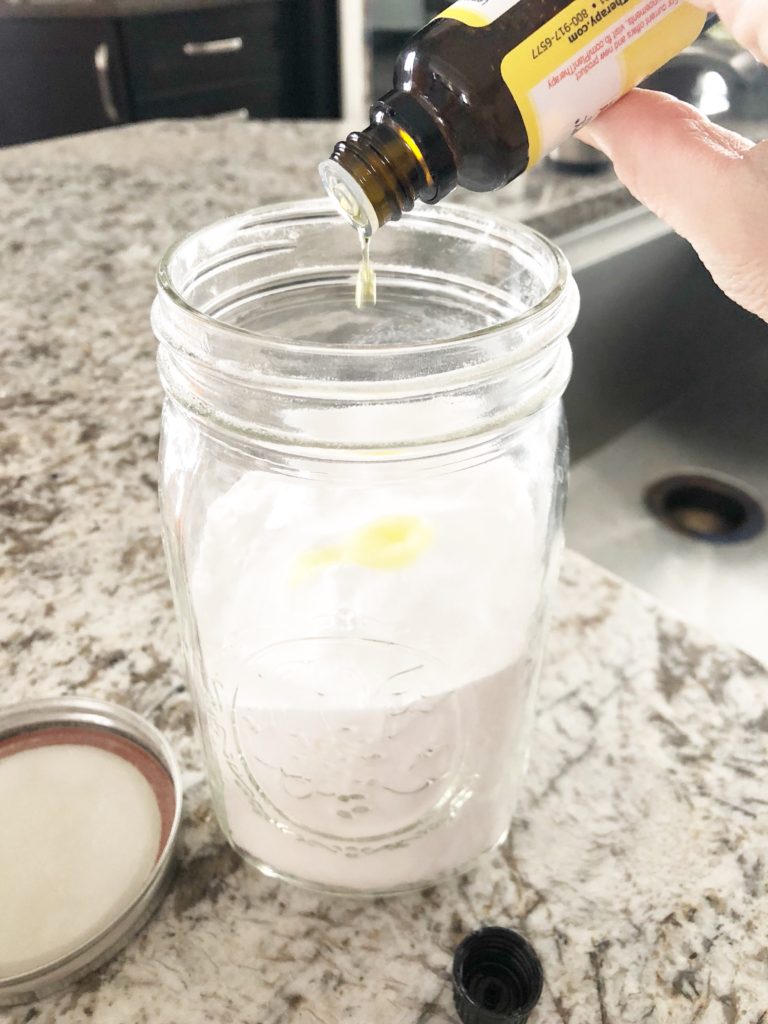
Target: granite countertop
[637, 861]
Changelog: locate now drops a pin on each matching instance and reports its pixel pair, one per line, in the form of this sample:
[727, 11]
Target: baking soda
[366, 679]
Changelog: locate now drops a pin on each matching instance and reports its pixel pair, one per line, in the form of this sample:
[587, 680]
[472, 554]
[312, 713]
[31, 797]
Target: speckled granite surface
[637, 863]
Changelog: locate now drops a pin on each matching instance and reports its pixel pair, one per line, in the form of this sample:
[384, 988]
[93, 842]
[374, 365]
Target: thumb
[706, 182]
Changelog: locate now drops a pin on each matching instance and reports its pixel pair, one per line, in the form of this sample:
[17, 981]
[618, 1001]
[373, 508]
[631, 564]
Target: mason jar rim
[508, 232]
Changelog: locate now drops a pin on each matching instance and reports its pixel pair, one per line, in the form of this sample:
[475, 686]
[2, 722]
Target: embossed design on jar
[370, 754]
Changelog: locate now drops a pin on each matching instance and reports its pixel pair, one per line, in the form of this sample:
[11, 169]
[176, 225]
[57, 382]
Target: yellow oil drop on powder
[312, 561]
[392, 542]
[365, 288]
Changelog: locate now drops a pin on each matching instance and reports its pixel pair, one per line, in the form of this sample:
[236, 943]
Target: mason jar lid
[90, 798]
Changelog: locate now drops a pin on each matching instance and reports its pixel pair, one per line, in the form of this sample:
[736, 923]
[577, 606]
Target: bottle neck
[377, 175]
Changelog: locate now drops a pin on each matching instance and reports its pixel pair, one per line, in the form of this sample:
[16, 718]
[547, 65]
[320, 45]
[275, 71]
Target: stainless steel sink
[670, 379]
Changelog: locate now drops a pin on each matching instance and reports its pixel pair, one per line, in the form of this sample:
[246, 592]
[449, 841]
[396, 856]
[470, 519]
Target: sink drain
[705, 508]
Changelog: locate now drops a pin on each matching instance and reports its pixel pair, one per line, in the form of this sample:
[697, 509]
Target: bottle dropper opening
[349, 196]
[376, 175]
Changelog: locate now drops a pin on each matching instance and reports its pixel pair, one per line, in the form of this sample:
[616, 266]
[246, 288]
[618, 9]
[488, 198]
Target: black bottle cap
[497, 977]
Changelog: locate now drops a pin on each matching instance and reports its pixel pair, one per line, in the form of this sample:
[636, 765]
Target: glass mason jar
[362, 515]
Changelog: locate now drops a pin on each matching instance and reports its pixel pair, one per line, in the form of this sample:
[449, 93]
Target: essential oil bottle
[490, 86]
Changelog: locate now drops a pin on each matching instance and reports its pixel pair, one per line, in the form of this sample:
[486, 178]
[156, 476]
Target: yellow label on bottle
[477, 13]
[584, 58]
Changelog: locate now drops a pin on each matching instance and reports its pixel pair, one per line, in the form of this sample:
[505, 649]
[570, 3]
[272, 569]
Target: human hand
[708, 183]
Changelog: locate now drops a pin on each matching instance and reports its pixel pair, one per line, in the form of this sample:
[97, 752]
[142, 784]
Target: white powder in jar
[366, 669]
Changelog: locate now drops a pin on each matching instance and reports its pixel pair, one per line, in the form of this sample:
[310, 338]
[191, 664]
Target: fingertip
[633, 118]
[623, 122]
[646, 122]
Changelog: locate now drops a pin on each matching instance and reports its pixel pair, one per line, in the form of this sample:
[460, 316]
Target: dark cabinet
[59, 76]
[274, 58]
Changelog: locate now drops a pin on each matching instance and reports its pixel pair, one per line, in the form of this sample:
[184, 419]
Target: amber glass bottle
[490, 86]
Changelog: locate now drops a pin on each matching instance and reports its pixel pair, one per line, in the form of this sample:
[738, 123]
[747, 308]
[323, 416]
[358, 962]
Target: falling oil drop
[365, 288]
